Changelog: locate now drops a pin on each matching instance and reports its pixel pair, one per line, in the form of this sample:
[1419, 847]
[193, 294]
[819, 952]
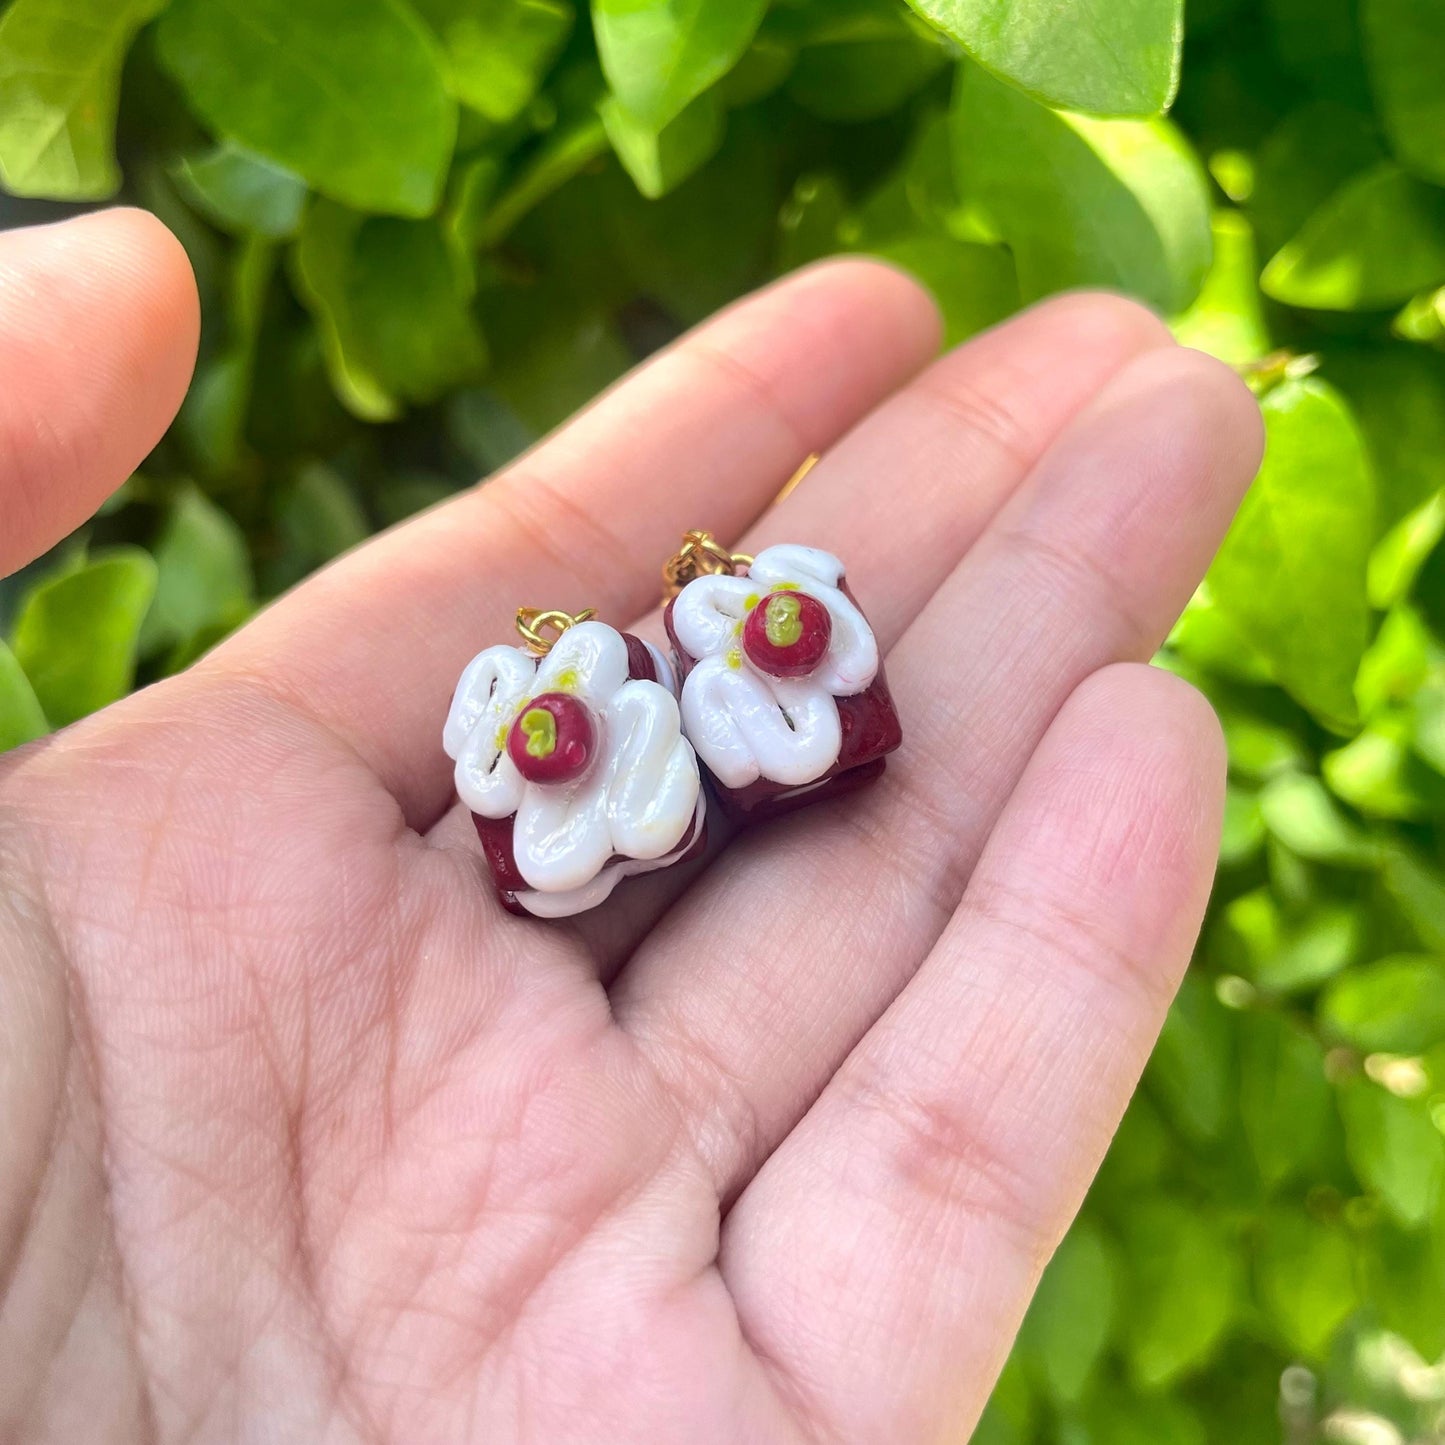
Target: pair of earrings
[582, 754]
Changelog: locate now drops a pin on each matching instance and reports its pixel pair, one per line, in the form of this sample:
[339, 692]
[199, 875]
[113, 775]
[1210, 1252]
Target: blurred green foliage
[425, 232]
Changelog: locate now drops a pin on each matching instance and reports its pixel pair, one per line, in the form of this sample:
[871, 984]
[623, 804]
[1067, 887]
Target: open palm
[303, 1137]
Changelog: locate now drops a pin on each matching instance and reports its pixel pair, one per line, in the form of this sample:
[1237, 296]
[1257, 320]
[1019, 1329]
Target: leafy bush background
[426, 232]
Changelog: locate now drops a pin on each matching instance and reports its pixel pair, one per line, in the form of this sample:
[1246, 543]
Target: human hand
[303, 1137]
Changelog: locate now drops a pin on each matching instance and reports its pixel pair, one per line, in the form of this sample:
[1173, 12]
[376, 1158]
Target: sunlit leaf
[498, 50]
[1394, 1005]
[1106, 57]
[1378, 773]
[77, 634]
[660, 56]
[1185, 1289]
[349, 94]
[1371, 245]
[1305, 1274]
[60, 63]
[1292, 572]
[1083, 202]
[660, 160]
[1303, 816]
[1227, 317]
[21, 717]
[1394, 1148]
[1074, 1312]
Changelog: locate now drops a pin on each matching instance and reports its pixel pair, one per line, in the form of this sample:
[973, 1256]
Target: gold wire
[701, 555]
[791, 485]
[542, 626]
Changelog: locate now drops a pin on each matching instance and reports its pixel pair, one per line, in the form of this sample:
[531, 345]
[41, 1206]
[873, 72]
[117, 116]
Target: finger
[373, 646]
[98, 329]
[884, 1256]
[1087, 564]
[905, 494]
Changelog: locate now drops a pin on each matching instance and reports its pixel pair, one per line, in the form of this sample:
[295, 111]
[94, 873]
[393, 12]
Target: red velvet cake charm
[783, 695]
[570, 753]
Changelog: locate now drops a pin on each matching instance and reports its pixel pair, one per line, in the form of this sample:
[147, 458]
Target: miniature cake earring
[570, 753]
[783, 694]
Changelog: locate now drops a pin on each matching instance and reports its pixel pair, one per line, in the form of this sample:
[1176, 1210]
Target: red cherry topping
[787, 634]
[553, 739]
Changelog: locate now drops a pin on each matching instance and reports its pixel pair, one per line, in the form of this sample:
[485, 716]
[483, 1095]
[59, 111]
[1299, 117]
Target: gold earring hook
[701, 555]
[542, 626]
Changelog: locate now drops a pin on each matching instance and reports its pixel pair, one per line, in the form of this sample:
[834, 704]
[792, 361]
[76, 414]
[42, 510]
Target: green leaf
[658, 161]
[76, 635]
[498, 50]
[1242, 836]
[1394, 1005]
[1303, 161]
[1132, 1419]
[1285, 1100]
[567, 151]
[393, 304]
[349, 94]
[1377, 773]
[1227, 317]
[1397, 394]
[1191, 1071]
[1082, 202]
[60, 63]
[659, 55]
[243, 193]
[1284, 954]
[1394, 1148]
[1303, 816]
[1373, 244]
[1072, 1318]
[1398, 556]
[1305, 1276]
[1108, 57]
[1419, 891]
[318, 517]
[1406, 1286]
[863, 59]
[1207, 637]
[203, 573]
[1404, 43]
[22, 719]
[1186, 1287]
[1292, 572]
[1429, 589]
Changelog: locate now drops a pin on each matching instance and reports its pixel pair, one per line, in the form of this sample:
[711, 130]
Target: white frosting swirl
[639, 797]
[745, 723]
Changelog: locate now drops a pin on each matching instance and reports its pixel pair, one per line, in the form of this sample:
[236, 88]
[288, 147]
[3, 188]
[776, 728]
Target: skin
[302, 1137]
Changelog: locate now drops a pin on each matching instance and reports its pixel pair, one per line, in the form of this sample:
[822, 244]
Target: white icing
[638, 797]
[744, 723]
[589, 895]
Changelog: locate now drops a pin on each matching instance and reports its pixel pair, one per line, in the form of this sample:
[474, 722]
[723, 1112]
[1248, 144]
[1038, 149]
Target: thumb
[99, 322]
